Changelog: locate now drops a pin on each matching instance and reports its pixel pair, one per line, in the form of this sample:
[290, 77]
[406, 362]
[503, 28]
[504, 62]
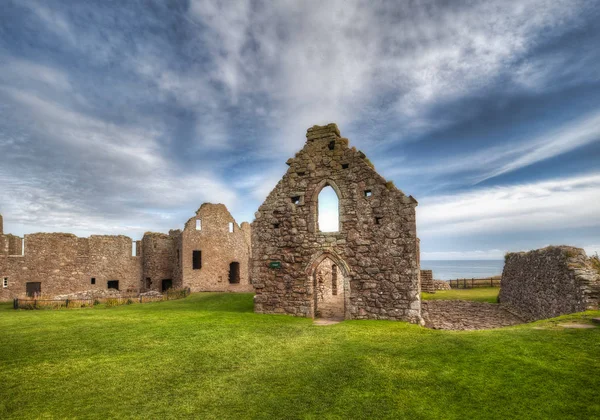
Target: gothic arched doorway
[330, 283]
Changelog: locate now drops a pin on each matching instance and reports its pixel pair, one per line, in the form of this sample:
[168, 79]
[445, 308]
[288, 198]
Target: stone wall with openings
[158, 256]
[550, 282]
[62, 263]
[376, 246]
[215, 251]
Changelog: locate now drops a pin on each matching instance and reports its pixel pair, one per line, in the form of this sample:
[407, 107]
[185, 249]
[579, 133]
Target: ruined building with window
[211, 253]
[367, 269]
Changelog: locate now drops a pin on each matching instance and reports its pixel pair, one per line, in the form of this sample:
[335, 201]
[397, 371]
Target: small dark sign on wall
[275, 264]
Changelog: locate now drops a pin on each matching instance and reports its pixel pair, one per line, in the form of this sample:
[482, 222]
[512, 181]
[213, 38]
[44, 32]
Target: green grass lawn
[210, 356]
[477, 294]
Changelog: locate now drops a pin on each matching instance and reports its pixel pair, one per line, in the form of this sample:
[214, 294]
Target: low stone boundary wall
[466, 315]
[40, 303]
[441, 285]
[549, 282]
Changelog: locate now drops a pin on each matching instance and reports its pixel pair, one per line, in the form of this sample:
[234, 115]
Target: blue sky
[123, 117]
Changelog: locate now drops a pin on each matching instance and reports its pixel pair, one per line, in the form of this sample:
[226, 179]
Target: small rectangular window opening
[133, 249]
[331, 145]
[276, 225]
[93, 280]
[368, 193]
[196, 260]
[378, 220]
[198, 224]
[113, 284]
[177, 255]
[296, 199]
[5, 282]
[23, 246]
[345, 165]
[230, 227]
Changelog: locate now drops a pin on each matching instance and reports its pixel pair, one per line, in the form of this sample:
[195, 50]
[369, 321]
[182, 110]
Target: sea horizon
[459, 269]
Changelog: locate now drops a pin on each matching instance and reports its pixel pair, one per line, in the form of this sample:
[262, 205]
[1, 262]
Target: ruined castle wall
[177, 252]
[549, 282]
[15, 245]
[218, 247]
[111, 258]
[64, 263]
[376, 246]
[158, 255]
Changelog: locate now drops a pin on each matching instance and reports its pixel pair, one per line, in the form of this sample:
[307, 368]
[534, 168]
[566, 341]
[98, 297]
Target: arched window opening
[328, 210]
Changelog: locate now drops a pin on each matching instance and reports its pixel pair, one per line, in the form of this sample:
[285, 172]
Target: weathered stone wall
[427, 281]
[158, 256]
[65, 264]
[219, 248]
[376, 247]
[549, 282]
[441, 285]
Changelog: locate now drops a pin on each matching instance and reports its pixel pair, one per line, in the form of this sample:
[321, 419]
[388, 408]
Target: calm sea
[459, 269]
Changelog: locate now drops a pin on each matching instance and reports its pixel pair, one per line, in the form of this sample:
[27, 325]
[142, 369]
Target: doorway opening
[234, 273]
[33, 289]
[330, 290]
[166, 285]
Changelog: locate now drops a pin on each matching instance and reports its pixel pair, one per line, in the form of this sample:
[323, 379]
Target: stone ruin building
[210, 254]
[368, 269]
[549, 282]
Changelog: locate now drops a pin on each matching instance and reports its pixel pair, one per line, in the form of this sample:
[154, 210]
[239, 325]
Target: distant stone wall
[63, 263]
[441, 285]
[550, 282]
[427, 281]
[214, 233]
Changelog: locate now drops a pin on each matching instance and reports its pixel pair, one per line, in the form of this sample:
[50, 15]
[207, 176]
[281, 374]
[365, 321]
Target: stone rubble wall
[376, 245]
[441, 285]
[549, 282]
[65, 264]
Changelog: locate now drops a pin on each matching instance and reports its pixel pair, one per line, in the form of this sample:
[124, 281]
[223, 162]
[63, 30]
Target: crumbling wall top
[317, 132]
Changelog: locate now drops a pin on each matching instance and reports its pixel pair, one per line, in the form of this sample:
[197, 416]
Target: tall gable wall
[376, 246]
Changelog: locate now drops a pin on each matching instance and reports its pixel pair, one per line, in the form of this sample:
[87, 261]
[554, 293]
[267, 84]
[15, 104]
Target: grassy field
[478, 294]
[209, 356]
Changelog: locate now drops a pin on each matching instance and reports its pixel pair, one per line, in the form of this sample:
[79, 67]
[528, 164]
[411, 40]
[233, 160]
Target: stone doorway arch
[329, 284]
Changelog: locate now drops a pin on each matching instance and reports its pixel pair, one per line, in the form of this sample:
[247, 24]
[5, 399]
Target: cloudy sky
[122, 117]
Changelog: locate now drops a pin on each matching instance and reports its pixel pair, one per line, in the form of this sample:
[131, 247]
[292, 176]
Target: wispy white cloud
[564, 203]
[492, 161]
